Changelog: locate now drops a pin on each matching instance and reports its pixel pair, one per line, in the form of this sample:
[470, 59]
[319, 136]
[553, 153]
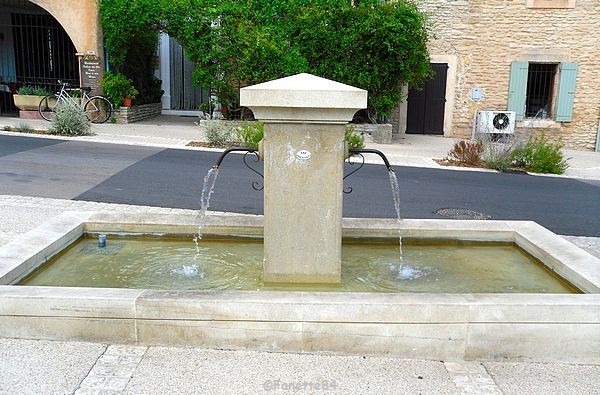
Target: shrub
[467, 152]
[353, 139]
[250, 134]
[24, 128]
[117, 87]
[540, 156]
[497, 155]
[69, 119]
[218, 133]
[33, 90]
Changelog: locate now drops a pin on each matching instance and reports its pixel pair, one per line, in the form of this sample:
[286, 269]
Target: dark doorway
[184, 94]
[425, 114]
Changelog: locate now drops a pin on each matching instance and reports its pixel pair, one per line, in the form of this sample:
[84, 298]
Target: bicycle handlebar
[66, 84]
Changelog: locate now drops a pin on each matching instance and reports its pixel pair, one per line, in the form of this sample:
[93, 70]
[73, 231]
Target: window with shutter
[542, 90]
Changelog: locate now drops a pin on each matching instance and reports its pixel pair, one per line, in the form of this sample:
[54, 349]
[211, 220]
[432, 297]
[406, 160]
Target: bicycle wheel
[47, 107]
[98, 109]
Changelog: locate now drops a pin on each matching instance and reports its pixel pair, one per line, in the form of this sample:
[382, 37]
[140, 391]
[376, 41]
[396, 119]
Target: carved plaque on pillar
[91, 72]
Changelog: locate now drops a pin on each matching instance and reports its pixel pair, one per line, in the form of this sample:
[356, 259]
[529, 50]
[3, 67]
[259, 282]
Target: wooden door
[425, 113]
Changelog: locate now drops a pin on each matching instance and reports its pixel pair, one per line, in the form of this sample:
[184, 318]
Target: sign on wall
[90, 70]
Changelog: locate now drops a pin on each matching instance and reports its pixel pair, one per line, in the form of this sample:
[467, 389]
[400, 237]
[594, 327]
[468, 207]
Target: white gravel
[45, 367]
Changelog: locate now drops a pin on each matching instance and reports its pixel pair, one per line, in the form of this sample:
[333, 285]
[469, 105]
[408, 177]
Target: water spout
[248, 150]
[230, 150]
[356, 151]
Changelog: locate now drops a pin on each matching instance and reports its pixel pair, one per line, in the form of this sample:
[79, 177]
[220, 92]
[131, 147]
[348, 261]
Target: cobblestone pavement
[39, 366]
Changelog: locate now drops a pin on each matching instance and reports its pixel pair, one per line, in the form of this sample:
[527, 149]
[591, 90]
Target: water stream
[396, 194]
[207, 190]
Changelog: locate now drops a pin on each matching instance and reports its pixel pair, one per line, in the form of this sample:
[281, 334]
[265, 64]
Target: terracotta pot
[127, 102]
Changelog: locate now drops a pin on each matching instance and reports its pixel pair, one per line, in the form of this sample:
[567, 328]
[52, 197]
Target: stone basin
[440, 326]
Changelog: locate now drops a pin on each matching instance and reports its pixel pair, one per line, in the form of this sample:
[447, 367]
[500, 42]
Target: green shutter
[566, 92]
[517, 88]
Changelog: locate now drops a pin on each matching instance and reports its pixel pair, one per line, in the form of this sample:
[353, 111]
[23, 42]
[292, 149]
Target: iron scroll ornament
[351, 162]
[256, 185]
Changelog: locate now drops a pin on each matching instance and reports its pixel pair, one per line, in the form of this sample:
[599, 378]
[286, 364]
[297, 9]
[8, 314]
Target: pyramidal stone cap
[303, 98]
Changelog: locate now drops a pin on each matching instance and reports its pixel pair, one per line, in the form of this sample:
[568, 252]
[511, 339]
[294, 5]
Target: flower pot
[27, 102]
[127, 102]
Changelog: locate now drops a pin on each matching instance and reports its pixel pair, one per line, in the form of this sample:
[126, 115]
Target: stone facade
[482, 37]
[137, 113]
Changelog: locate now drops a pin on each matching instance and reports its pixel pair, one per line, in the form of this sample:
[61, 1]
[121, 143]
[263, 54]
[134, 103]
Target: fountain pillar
[304, 150]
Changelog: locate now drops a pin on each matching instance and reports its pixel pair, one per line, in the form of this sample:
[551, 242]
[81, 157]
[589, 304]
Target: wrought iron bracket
[256, 185]
[351, 162]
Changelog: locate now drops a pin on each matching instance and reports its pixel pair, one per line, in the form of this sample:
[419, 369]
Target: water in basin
[430, 266]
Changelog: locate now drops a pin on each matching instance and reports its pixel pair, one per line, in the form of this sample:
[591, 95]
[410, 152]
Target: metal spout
[372, 151]
[229, 150]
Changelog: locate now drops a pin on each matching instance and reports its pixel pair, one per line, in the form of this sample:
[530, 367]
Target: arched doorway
[34, 50]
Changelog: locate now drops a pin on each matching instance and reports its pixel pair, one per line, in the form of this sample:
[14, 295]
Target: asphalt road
[173, 178]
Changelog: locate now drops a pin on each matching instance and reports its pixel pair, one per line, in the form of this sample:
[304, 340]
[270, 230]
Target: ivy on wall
[377, 46]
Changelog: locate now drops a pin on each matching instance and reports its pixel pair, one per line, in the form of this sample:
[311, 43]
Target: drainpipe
[106, 62]
[598, 137]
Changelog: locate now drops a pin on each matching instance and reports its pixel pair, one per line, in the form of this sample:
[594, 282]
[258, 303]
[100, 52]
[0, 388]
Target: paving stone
[521, 378]
[472, 378]
[113, 370]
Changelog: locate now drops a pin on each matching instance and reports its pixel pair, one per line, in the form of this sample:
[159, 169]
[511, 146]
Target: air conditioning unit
[496, 122]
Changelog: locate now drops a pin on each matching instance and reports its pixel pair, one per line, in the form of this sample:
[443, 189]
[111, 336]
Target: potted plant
[118, 88]
[28, 97]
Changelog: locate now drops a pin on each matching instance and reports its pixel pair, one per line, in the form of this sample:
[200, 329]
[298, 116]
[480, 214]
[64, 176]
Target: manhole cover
[461, 213]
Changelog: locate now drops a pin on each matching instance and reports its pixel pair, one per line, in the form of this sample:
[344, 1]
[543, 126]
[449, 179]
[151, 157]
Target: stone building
[539, 58]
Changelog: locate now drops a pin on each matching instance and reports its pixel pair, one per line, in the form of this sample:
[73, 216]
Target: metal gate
[34, 50]
[425, 113]
[184, 95]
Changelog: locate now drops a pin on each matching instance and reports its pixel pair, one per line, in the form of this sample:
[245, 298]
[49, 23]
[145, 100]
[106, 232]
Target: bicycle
[97, 108]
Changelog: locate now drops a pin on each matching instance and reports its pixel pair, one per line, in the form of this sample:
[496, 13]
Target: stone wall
[379, 133]
[137, 113]
[487, 35]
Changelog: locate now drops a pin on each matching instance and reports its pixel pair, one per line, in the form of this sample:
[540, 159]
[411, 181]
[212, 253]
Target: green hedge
[377, 46]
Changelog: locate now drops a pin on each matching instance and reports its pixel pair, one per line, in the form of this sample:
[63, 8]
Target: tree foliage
[377, 46]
